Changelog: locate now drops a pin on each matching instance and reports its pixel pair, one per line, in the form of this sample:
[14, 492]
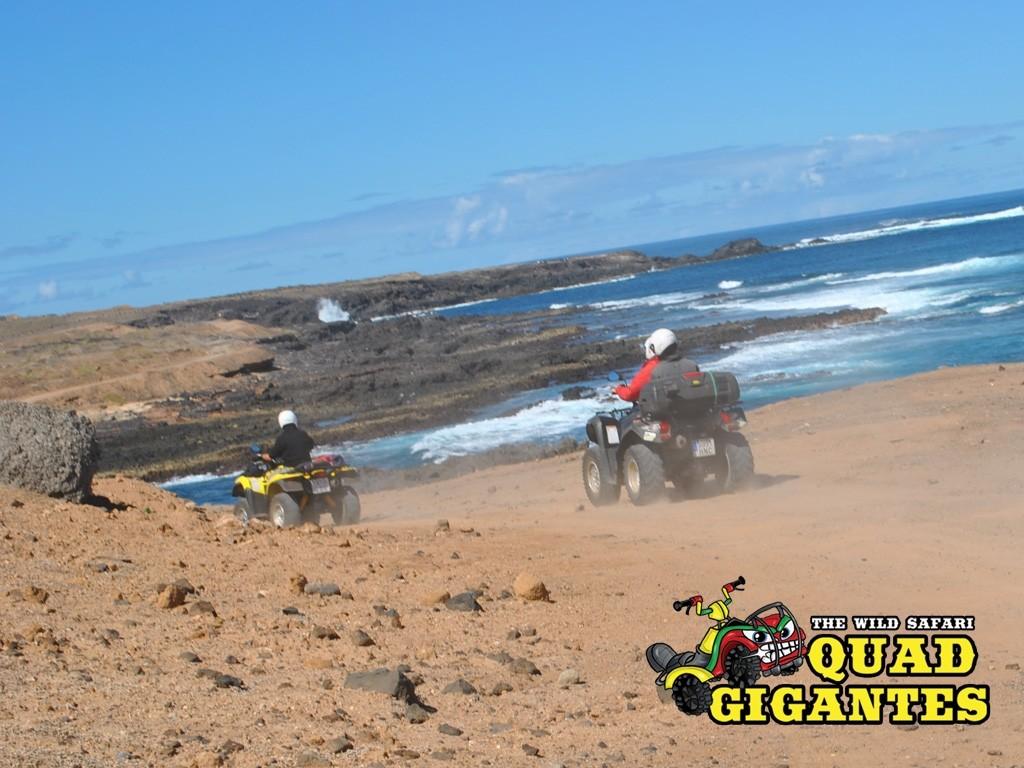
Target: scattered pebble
[324, 633]
[523, 666]
[459, 686]
[361, 640]
[569, 678]
[465, 601]
[327, 589]
[338, 745]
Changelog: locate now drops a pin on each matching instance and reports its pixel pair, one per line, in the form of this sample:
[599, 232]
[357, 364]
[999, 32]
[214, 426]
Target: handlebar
[688, 603]
[737, 585]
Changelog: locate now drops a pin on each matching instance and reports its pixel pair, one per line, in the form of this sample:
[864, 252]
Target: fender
[608, 454]
[698, 672]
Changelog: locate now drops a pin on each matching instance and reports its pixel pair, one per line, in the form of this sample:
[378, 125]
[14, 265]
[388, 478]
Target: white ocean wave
[463, 304]
[192, 479]
[995, 309]
[896, 301]
[796, 354]
[899, 228]
[609, 281]
[330, 311]
[771, 287]
[547, 419]
[973, 264]
[656, 300]
[430, 310]
[727, 285]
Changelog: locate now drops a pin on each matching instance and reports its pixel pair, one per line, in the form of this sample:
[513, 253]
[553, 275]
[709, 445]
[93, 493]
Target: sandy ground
[900, 498]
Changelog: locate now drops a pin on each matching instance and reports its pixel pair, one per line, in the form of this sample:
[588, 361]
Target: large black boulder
[46, 450]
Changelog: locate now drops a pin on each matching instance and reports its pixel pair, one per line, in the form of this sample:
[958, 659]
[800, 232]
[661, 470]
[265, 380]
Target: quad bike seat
[662, 657]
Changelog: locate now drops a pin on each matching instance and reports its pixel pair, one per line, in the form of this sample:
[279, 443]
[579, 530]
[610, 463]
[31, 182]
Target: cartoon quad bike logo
[768, 642]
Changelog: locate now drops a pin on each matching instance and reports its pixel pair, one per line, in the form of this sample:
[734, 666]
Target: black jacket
[292, 446]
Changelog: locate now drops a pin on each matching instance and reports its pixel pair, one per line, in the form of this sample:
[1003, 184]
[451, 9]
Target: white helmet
[287, 417]
[658, 342]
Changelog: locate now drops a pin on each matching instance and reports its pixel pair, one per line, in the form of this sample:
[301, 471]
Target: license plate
[611, 433]
[320, 485]
[703, 446]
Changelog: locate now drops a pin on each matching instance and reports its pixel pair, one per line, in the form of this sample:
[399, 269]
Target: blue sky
[152, 152]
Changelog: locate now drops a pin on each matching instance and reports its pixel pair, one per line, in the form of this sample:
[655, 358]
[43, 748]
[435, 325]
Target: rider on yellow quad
[288, 486]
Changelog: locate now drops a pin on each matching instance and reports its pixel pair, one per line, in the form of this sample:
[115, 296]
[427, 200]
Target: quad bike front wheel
[284, 511]
[734, 470]
[644, 474]
[242, 511]
[601, 489]
[742, 668]
[691, 696]
[347, 508]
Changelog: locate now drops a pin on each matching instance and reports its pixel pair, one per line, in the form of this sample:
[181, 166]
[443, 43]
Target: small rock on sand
[449, 730]
[569, 678]
[529, 587]
[338, 745]
[415, 713]
[361, 639]
[524, 667]
[323, 633]
[391, 682]
[228, 681]
[466, 601]
[435, 598]
[171, 597]
[298, 583]
[327, 589]
[459, 686]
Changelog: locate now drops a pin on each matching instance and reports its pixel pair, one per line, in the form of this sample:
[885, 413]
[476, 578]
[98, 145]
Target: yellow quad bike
[317, 492]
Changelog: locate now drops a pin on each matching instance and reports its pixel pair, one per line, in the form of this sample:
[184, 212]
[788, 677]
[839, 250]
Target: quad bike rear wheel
[691, 696]
[742, 668]
[644, 474]
[284, 511]
[347, 508]
[601, 489]
[735, 465]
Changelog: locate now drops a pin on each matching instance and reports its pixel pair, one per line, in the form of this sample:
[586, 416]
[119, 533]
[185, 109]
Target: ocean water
[949, 274]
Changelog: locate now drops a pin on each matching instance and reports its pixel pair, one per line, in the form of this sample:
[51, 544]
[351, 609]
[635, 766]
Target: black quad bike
[683, 429]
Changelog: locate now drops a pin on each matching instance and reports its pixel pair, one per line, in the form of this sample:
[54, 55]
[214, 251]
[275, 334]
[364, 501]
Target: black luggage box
[678, 388]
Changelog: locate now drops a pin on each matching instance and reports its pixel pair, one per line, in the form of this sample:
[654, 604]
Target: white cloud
[550, 211]
[812, 177]
[47, 290]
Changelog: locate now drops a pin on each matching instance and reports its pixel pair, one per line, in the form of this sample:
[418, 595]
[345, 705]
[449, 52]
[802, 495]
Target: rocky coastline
[184, 388]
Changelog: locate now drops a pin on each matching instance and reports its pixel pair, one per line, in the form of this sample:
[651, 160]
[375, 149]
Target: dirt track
[896, 498]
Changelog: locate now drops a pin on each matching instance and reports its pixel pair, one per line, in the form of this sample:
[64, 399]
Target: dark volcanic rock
[391, 682]
[459, 686]
[578, 393]
[465, 601]
[747, 246]
[47, 451]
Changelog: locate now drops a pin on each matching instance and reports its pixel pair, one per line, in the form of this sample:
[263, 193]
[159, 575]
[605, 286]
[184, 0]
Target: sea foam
[899, 228]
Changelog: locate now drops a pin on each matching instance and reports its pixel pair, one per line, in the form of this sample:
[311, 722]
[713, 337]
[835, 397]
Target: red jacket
[632, 390]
